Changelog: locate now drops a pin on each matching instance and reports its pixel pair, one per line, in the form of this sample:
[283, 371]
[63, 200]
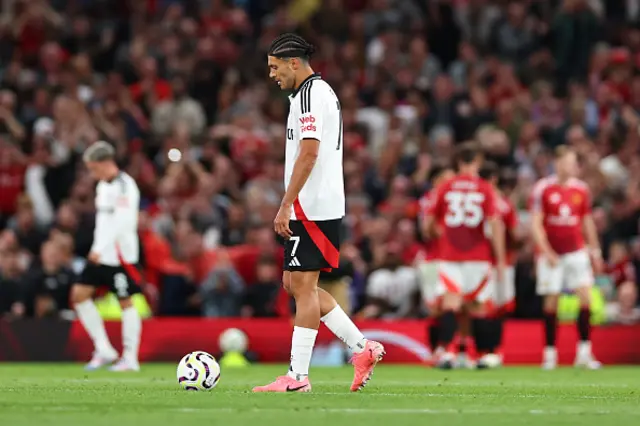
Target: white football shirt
[115, 237]
[315, 113]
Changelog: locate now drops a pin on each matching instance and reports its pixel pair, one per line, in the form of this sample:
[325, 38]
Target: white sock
[584, 347]
[93, 324]
[131, 330]
[341, 325]
[302, 343]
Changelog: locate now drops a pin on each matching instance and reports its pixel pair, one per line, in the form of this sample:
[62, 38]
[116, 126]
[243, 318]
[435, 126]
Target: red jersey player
[464, 205]
[428, 266]
[561, 212]
[505, 290]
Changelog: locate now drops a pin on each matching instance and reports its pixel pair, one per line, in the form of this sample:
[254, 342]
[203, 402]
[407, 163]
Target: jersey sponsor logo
[307, 124]
[565, 217]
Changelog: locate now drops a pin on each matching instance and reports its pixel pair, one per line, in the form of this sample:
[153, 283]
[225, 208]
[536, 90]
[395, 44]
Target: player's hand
[598, 263]
[552, 258]
[93, 257]
[281, 222]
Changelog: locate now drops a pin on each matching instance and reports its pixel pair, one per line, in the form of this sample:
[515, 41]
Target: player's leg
[549, 280]
[580, 279]
[81, 297]
[479, 291]
[366, 353]
[124, 285]
[428, 275]
[464, 338]
[449, 279]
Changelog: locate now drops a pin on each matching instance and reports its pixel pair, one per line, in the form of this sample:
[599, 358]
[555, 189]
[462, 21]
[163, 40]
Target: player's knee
[303, 285]
[550, 303]
[80, 293]
[286, 282]
[584, 296]
[452, 302]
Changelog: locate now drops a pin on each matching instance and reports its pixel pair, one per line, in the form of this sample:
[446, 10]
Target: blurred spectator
[180, 89]
[49, 283]
[12, 287]
[261, 296]
[222, 290]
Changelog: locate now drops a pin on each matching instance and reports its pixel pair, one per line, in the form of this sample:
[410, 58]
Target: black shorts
[314, 245]
[121, 281]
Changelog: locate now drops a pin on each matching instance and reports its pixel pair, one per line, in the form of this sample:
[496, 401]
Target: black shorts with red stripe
[122, 281]
[314, 245]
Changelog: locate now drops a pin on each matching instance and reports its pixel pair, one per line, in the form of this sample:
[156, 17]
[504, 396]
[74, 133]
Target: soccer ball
[198, 371]
[233, 340]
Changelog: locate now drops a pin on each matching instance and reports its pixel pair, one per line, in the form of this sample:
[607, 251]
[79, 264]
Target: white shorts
[504, 293]
[473, 279]
[428, 276]
[573, 271]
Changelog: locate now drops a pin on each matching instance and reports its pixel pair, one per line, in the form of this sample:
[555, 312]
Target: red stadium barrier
[169, 339]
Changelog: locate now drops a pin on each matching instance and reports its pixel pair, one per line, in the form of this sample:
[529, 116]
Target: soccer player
[112, 261]
[310, 214]
[561, 212]
[504, 291]
[428, 267]
[464, 205]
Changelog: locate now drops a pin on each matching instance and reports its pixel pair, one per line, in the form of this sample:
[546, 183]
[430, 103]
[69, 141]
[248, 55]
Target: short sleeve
[312, 106]
[490, 207]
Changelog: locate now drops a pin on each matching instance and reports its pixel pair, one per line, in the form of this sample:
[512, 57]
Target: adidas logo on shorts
[294, 262]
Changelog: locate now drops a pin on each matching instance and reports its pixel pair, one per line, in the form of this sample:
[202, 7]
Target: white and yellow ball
[198, 371]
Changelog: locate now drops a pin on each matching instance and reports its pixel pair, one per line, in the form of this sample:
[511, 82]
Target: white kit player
[310, 214]
[463, 206]
[112, 261]
[561, 216]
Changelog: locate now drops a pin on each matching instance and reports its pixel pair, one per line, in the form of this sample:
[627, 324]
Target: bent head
[469, 158]
[288, 60]
[100, 161]
[489, 172]
[566, 162]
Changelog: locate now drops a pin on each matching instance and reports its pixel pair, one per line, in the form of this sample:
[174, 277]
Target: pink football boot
[364, 363]
[285, 384]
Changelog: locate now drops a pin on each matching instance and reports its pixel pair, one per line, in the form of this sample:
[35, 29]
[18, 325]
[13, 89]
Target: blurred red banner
[170, 339]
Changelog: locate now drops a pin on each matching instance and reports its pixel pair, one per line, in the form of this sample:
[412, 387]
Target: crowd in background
[414, 78]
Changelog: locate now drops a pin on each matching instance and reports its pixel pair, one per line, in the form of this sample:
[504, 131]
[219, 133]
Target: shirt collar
[314, 76]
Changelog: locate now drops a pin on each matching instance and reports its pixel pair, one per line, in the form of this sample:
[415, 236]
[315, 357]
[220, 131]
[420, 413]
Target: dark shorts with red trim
[123, 282]
[314, 245]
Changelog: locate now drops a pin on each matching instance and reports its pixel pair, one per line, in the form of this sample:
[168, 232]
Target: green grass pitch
[64, 395]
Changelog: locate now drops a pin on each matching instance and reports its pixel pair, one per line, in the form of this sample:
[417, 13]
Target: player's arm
[537, 226]
[497, 229]
[312, 111]
[301, 169]
[590, 231]
[122, 217]
[432, 210]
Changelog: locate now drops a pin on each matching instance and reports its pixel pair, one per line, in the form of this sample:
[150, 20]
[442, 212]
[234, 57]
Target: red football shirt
[563, 207]
[462, 205]
[507, 212]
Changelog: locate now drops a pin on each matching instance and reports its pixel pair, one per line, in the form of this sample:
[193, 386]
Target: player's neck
[562, 180]
[468, 171]
[112, 174]
[303, 76]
